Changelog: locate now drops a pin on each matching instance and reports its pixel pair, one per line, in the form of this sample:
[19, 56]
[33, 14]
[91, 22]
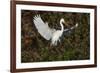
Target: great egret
[58, 33]
[47, 32]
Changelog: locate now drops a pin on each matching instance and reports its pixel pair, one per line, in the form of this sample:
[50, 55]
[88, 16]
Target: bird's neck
[62, 27]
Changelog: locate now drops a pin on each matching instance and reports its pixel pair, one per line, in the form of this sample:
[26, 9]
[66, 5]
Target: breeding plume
[48, 33]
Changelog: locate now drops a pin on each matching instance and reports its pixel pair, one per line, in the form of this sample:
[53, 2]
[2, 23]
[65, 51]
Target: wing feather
[43, 28]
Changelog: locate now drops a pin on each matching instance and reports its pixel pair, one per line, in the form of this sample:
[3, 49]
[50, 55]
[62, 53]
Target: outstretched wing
[71, 28]
[43, 28]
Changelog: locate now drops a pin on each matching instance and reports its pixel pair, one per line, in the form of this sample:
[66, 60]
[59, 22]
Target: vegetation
[74, 45]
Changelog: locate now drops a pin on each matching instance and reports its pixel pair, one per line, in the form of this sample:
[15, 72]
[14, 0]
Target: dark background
[74, 45]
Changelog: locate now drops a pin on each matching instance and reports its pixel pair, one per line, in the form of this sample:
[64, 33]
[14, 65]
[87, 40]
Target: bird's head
[62, 20]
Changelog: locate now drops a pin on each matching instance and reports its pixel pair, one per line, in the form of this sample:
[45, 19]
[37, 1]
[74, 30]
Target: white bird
[47, 32]
[58, 33]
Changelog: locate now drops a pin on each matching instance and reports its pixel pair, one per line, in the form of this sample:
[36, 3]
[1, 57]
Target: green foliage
[76, 46]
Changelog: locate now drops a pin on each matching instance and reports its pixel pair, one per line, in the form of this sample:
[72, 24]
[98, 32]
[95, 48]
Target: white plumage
[43, 28]
[47, 32]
